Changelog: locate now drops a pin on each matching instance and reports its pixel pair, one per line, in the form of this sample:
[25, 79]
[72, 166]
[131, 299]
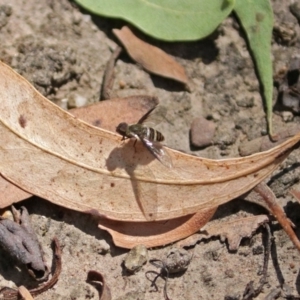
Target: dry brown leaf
[10, 193]
[104, 291]
[152, 234]
[264, 143]
[233, 231]
[277, 211]
[49, 153]
[19, 240]
[108, 114]
[9, 293]
[151, 58]
[104, 114]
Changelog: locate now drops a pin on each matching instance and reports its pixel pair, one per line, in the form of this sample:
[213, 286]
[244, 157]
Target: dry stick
[250, 292]
[274, 294]
[277, 211]
[163, 268]
[11, 294]
[24, 293]
[108, 78]
[58, 265]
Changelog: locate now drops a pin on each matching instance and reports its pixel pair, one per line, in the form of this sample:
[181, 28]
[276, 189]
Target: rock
[202, 132]
[287, 116]
[177, 260]
[136, 258]
[103, 247]
[76, 100]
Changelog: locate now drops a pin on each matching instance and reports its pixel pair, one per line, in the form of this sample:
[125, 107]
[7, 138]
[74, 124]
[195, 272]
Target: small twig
[250, 292]
[58, 266]
[277, 211]
[24, 293]
[164, 268]
[108, 78]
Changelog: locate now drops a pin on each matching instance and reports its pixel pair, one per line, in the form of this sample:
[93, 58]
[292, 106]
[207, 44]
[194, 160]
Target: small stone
[287, 116]
[202, 132]
[76, 17]
[229, 273]
[234, 295]
[103, 247]
[285, 33]
[7, 214]
[63, 103]
[5, 12]
[177, 260]
[76, 100]
[136, 258]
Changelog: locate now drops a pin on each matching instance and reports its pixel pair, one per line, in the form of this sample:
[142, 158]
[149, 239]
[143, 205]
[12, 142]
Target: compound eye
[121, 128]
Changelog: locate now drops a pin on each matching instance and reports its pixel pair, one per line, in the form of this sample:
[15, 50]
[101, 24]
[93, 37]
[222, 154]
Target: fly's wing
[159, 152]
[154, 116]
[146, 195]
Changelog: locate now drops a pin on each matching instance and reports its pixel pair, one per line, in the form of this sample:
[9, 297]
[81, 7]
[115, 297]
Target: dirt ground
[37, 37]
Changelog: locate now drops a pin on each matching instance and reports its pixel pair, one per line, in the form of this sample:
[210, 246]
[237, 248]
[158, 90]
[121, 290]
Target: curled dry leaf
[88, 169]
[11, 294]
[151, 58]
[24, 293]
[19, 240]
[104, 114]
[233, 231]
[152, 234]
[52, 154]
[104, 290]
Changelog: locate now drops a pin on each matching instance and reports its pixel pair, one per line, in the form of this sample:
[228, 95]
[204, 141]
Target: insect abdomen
[154, 135]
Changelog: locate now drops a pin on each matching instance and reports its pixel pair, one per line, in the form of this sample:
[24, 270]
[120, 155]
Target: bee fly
[148, 136]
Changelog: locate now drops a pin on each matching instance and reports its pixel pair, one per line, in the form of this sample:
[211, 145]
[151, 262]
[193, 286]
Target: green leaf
[170, 20]
[256, 17]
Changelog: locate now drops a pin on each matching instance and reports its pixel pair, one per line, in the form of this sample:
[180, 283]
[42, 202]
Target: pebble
[136, 258]
[285, 33]
[103, 247]
[7, 214]
[63, 103]
[76, 100]
[177, 260]
[287, 116]
[202, 132]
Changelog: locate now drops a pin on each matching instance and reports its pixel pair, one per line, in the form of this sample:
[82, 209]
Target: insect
[148, 136]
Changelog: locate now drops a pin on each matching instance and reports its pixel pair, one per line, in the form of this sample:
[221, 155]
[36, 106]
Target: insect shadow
[133, 157]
